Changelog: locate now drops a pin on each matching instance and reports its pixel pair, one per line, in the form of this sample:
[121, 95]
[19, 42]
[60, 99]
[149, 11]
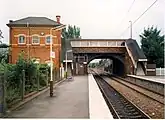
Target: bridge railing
[119, 43]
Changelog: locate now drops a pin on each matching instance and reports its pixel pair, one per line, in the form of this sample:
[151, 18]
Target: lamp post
[130, 29]
[28, 41]
[66, 55]
[51, 56]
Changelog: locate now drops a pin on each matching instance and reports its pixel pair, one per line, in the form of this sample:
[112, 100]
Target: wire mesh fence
[12, 93]
[160, 71]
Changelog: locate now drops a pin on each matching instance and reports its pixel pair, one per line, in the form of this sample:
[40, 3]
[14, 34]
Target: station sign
[52, 54]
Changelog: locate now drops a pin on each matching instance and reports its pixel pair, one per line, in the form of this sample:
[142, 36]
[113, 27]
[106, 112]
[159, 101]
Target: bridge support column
[74, 65]
[85, 64]
[129, 67]
[74, 68]
[85, 69]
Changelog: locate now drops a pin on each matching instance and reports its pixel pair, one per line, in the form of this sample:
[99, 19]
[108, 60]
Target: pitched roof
[33, 21]
[135, 49]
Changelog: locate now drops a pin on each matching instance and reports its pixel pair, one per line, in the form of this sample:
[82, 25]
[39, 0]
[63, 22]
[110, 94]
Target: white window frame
[38, 39]
[37, 60]
[46, 39]
[48, 62]
[24, 39]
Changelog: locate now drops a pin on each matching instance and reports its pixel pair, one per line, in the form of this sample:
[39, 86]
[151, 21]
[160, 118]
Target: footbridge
[127, 56]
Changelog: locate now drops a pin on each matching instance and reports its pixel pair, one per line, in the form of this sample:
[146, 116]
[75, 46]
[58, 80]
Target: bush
[12, 94]
[42, 79]
[14, 77]
[12, 82]
[43, 69]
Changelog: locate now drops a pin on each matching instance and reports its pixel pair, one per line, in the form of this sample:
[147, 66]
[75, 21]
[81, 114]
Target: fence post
[54, 76]
[4, 79]
[23, 85]
[46, 78]
[61, 72]
[38, 82]
[1, 95]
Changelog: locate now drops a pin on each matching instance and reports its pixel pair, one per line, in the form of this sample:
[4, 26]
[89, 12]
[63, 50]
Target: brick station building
[32, 35]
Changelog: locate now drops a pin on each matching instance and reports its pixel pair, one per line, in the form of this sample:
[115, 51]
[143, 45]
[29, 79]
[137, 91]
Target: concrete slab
[98, 108]
[70, 101]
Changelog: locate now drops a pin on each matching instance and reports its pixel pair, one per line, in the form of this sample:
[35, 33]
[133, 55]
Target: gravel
[153, 95]
[153, 108]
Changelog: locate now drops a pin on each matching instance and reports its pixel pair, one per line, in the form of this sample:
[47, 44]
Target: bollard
[51, 88]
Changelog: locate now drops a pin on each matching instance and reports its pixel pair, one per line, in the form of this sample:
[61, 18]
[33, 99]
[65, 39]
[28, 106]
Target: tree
[4, 55]
[4, 51]
[153, 46]
[93, 65]
[102, 62]
[72, 32]
[1, 36]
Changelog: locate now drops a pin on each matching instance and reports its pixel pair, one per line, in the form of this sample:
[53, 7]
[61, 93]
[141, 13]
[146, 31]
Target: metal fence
[2, 100]
[7, 92]
[160, 71]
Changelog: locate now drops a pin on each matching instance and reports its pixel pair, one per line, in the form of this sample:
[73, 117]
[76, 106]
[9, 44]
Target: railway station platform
[158, 79]
[78, 98]
[98, 108]
[70, 100]
[153, 83]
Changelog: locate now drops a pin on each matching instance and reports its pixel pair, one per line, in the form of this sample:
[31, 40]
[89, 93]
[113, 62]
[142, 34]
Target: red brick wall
[129, 68]
[41, 51]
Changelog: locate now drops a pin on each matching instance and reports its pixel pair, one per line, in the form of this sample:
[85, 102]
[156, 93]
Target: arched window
[21, 39]
[48, 39]
[35, 40]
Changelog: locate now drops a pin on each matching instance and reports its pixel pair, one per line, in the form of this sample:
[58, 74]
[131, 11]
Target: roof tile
[33, 21]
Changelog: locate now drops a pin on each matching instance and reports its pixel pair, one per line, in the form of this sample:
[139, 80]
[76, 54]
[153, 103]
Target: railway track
[120, 107]
[131, 86]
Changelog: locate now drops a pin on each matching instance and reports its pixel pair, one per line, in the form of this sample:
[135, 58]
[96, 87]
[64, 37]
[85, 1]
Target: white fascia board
[142, 59]
[67, 60]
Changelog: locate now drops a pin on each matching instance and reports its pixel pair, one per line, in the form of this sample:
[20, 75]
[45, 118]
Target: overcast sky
[96, 18]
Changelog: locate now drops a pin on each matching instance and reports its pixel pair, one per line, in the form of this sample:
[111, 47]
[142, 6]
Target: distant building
[32, 35]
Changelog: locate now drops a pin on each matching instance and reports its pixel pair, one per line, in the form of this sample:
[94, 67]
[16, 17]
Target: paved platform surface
[158, 78]
[98, 108]
[71, 100]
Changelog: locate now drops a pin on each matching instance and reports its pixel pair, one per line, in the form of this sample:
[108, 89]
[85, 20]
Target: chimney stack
[10, 21]
[58, 18]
